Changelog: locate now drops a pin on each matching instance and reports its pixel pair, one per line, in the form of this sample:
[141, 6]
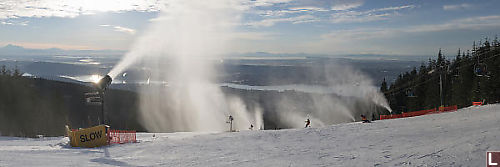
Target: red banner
[121, 136]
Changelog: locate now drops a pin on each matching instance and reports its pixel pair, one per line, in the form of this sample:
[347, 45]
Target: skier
[230, 122]
[308, 123]
[251, 127]
[363, 118]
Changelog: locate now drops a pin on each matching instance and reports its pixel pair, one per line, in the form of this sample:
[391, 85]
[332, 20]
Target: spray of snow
[180, 49]
[346, 93]
[259, 120]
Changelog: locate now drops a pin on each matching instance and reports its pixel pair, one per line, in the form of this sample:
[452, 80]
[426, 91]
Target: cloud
[297, 11]
[367, 16]
[472, 23]
[124, 29]
[352, 16]
[346, 6]
[307, 8]
[260, 3]
[378, 40]
[271, 11]
[120, 29]
[73, 8]
[6, 23]
[393, 8]
[14, 23]
[313, 4]
[306, 11]
[335, 5]
[463, 6]
[293, 20]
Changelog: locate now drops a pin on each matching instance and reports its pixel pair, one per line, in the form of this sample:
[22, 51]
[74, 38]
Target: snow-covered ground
[448, 139]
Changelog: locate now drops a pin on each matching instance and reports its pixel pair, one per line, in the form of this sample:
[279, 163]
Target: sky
[325, 27]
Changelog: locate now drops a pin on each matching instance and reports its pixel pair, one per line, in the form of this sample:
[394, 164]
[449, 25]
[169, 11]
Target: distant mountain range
[14, 50]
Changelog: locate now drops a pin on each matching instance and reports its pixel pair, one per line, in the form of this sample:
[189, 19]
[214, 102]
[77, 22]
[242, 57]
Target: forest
[31, 106]
[471, 76]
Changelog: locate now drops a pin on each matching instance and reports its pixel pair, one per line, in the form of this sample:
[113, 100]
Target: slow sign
[88, 137]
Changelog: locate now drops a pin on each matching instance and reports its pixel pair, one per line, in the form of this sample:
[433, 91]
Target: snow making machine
[99, 135]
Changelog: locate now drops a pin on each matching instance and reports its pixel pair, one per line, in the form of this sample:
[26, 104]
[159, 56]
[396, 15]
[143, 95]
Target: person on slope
[363, 118]
[308, 123]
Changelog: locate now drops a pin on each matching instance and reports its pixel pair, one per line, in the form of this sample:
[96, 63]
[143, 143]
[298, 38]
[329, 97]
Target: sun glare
[95, 78]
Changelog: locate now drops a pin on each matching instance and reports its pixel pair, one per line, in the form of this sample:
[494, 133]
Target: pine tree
[383, 86]
[3, 71]
[461, 84]
[495, 42]
[486, 46]
[17, 72]
[440, 59]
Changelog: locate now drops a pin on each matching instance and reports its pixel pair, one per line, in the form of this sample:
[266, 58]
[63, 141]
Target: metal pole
[441, 88]
[102, 107]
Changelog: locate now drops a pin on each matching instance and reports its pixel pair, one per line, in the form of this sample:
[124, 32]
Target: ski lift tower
[440, 84]
[101, 86]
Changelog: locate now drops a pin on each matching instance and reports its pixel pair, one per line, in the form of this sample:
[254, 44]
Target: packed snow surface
[447, 139]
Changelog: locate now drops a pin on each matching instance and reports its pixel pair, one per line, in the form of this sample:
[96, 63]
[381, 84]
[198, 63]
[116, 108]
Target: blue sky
[329, 27]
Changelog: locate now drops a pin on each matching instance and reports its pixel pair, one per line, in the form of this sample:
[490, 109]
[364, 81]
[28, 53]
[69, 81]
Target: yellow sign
[88, 137]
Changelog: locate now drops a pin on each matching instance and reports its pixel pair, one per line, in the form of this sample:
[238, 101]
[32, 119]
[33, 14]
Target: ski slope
[447, 139]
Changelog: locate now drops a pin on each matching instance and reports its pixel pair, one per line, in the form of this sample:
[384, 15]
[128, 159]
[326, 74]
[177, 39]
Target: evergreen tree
[495, 42]
[440, 60]
[3, 71]
[461, 82]
[383, 86]
[17, 72]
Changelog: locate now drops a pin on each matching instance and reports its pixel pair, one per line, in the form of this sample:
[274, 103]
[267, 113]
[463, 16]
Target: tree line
[31, 106]
[473, 75]
[26, 111]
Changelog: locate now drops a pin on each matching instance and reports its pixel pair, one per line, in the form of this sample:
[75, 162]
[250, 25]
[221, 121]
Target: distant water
[320, 89]
[292, 87]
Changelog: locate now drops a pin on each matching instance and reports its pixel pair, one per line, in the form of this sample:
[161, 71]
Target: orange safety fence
[392, 116]
[121, 136]
[477, 103]
[448, 109]
[418, 113]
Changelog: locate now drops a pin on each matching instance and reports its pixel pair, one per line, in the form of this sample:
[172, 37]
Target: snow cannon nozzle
[103, 83]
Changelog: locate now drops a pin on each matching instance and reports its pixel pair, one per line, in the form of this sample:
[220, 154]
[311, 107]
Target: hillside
[37, 106]
[34, 106]
[448, 139]
[473, 75]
